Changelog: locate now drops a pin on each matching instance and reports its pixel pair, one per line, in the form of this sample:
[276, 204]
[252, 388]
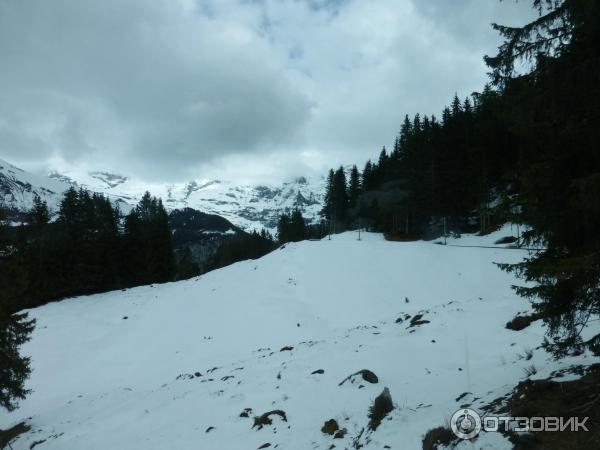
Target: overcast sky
[170, 90]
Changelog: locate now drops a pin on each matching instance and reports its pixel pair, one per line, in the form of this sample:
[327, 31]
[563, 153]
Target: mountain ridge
[247, 206]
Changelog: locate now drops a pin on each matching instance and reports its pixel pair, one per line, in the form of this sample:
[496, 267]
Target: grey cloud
[164, 88]
[137, 80]
[470, 20]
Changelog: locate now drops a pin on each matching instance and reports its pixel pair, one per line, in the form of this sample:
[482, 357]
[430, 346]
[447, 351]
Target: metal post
[444, 231]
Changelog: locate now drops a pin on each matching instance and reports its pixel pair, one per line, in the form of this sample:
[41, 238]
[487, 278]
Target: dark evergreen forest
[524, 149]
[89, 248]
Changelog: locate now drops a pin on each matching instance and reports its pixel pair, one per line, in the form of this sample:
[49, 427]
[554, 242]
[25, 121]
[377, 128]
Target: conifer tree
[550, 35]
[557, 105]
[68, 211]
[405, 132]
[297, 226]
[340, 196]
[383, 166]
[186, 266]
[150, 248]
[283, 229]
[327, 210]
[15, 330]
[353, 187]
[456, 107]
[367, 176]
[291, 227]
[39, 214]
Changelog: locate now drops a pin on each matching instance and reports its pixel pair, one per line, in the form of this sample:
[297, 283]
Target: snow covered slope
[246, 206]
[157, 367]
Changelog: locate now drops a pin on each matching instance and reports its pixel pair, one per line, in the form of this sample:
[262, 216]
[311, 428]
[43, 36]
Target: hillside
[156, 367]
[201, 233]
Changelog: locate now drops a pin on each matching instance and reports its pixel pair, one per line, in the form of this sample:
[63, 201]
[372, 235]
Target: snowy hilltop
[266, 353]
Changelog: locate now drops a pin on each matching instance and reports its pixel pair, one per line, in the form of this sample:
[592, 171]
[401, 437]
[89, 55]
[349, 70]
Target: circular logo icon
[465, 423]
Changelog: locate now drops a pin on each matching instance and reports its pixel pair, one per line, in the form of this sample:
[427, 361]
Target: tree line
[241, 247]
[524, 149]
[438, 171]
[89, 248]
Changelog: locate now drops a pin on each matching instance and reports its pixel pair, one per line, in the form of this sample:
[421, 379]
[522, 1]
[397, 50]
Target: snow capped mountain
[246, 206]
[18, 189]
[195, 364]
[249, 206]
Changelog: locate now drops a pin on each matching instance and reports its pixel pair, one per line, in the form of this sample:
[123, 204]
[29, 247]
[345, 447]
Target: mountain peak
[110, 179]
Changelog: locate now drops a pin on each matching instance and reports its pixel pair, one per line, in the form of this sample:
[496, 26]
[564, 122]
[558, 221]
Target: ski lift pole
[445, 231]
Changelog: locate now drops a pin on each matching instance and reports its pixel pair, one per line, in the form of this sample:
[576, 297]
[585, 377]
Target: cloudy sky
[170, 90]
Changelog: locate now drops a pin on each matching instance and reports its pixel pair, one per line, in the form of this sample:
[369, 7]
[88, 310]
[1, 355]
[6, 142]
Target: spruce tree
[149, 247]
[15, 330]
[353, 187]
[550, 35]
[340, 197]
[405, 132]
[283, 229]
[39, 214]
[367, 176]
[555, 115]
[456, 107]
[68, 212]
[327, 210]
[186, 266]
[383, 165]
[297, 226]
